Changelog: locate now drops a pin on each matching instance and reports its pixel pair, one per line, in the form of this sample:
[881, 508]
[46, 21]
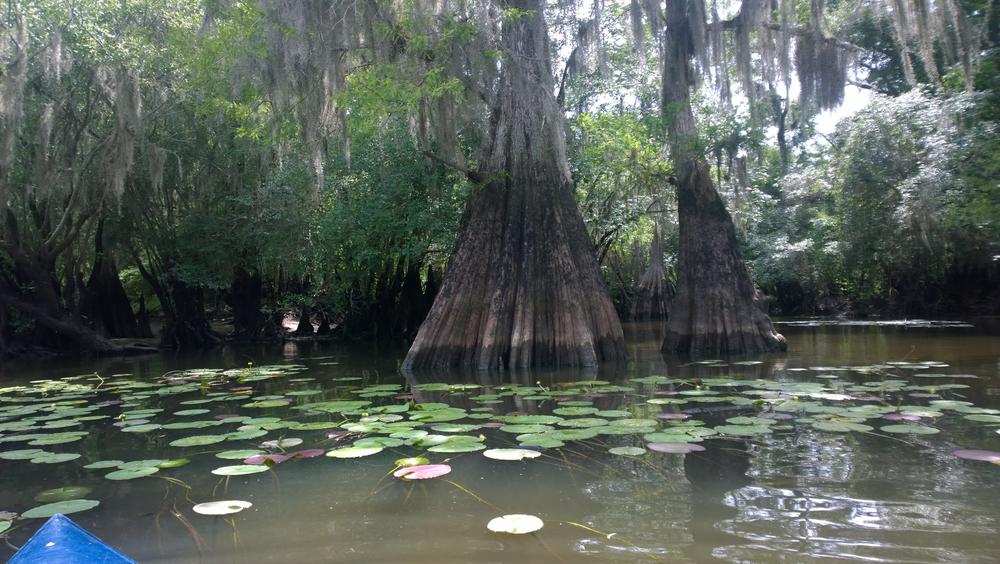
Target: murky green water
[786, 483]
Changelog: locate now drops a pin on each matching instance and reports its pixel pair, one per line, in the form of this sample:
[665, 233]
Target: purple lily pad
[422, 472]
[404, 397]
[267, 459]
[225, 416]
[307, 453]
[981, 455]
[338, 434]
[675, 448]
[672, 416]
[241, 389]
[900, 417]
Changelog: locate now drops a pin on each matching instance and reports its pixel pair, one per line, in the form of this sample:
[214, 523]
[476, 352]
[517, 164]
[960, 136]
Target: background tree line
[193, 161]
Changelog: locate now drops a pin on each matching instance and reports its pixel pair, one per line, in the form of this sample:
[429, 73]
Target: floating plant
[511, 453]
[515, 524]
[227, 507]
[422, 472]
[64, 507]
[980, 455]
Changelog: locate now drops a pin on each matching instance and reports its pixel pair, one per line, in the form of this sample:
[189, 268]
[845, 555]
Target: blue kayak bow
[61, 541]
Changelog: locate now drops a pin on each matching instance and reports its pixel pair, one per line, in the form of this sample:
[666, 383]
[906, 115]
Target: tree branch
[474, 176]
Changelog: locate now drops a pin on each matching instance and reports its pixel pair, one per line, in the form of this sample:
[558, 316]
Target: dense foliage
[194, 162]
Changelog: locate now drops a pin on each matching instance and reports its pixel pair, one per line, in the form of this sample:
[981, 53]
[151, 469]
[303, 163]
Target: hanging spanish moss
[119, 150]
[14, 57]
[820, 63]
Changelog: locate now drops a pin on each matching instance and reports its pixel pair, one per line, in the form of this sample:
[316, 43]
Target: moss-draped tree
[523, 286]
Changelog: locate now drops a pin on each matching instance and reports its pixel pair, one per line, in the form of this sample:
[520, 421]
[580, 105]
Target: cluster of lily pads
[232, 419]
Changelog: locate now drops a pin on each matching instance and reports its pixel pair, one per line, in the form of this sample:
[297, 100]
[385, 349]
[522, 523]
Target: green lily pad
[978, 418]
[240, 469]
[413, 461]
[313, 426]
[132, 473]
[464, 446]
[54, 458]
[627, 451]
[238, 454]
[190, 412]
[22, 454]
[62, 494]
[522, 429]
[174, 463]
[144, 428]
[911, 429]
[135, 464]
[64, 507]
[198, 440]
[573, 411]
[102, 464]
[841, 427]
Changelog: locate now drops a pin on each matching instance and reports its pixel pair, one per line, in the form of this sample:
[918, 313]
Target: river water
[780, 481]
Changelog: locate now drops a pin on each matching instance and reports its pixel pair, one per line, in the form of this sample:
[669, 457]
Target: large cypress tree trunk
[523, 286]
[715, 311]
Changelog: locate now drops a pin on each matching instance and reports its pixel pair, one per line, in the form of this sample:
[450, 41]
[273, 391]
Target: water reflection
[794, 496]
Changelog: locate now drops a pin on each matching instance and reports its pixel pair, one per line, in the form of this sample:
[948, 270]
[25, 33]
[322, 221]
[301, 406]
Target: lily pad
[413, 461]
[198, 440]
[227, 507]
[675, 448]
[238, 454]
[54, 458]
[64, 493]
[980, 455]
[515, 524]
[511, 453]
[463, 446]
[132, 473]
[422, 472]
[353, 452]
[911, 429]
[64, 507]
[174, 463]
[22, 454]
[627, 451]
[239, 470]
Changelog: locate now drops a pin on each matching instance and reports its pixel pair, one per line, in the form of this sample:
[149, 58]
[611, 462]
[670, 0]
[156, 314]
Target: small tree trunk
[305, 328]
[715, 310]
[104, 300]
[653, 293]
[186, 325]
[244, 299]
[523, 286]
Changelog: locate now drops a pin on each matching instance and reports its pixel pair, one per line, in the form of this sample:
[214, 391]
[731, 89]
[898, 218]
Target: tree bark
[653, 293]
[245, 294]
[523, 287]
[715, 311]
[104, 300]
